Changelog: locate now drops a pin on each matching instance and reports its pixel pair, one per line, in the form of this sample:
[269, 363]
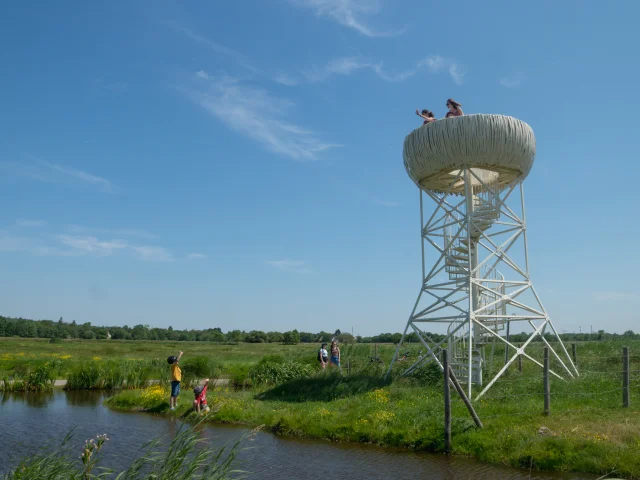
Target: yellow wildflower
[379, 396]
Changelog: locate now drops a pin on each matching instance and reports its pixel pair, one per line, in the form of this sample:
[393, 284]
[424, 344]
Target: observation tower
[475, 266]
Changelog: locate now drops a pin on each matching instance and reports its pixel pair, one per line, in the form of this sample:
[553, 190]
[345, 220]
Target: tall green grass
[31, 379]
[95, 375]
[276, 369]
[185, 457]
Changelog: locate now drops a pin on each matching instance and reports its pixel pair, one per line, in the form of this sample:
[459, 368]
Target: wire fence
[604, 383]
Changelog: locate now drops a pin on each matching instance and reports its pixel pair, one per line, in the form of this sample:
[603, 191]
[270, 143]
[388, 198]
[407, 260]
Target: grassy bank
[588, 430]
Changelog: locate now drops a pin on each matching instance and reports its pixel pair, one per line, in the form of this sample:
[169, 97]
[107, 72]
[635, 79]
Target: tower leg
[479, 283]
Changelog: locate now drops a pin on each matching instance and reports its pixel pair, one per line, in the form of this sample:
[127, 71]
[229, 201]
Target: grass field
[588, 429]
[19, 354]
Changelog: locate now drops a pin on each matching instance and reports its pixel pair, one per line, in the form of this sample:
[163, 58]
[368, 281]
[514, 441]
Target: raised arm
[421, 115]
[180, 355]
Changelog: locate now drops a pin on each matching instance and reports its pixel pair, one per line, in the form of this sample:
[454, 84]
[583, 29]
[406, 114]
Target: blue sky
[239, 164]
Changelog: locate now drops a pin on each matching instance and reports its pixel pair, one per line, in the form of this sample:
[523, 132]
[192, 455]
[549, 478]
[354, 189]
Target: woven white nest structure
[501, 148]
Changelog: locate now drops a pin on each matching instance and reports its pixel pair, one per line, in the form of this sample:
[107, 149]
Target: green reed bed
[99, 375]
[132, 374]
[29, 378]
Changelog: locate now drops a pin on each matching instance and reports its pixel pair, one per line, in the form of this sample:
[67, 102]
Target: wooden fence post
[625, 377]
[465, 399]
[447, 402]
[573, 352]
[545, 383]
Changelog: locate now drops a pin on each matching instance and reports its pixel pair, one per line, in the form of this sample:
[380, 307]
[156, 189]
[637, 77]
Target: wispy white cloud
[346, 66]
[30, 223]
[117, 232]
[608, 296]
[512, 81]
[212, 45]
[349, 13]
[196, 256]
[91, 244]
[153, 254]
[339, 66]
[285, 79]
[436, 64]
[293, 266]
[70, 245]
[256, 113]
[44, 171]
[202, 74]
[34, 246]
[102, 248]
[456, 74]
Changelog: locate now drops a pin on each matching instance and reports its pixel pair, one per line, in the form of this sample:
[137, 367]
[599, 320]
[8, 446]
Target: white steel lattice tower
[473, 167]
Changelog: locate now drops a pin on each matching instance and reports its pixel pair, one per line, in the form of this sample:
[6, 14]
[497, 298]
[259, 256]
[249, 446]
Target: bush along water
[186, 456]
[197, 368]
[275, 369]
[31, 379]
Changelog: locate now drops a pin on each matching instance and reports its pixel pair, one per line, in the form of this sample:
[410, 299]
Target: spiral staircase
[484, 213]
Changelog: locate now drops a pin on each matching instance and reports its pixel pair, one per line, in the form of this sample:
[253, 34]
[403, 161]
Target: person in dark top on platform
[454, 109]
[427, 115]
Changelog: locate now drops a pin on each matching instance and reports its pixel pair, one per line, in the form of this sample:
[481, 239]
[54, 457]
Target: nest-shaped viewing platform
[499, 149]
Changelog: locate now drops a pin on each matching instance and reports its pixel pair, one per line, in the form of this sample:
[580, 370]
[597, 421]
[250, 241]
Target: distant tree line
[21, 327]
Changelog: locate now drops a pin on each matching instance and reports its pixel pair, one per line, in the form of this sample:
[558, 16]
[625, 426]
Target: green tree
[275, 337]
[292, 337]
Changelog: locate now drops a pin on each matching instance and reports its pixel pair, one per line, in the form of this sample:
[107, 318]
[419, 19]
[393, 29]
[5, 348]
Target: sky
[239, 164]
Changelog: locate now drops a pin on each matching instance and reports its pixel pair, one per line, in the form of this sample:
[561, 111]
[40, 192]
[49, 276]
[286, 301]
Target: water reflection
[84, 398]
[32, 399]
[267, 456]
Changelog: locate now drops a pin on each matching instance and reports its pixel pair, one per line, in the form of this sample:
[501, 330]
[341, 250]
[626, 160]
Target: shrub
[196, 368]
[429, 374]
[275, 369]
[239, 375]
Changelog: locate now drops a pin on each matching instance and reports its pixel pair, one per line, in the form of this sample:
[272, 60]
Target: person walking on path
[176, 378]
